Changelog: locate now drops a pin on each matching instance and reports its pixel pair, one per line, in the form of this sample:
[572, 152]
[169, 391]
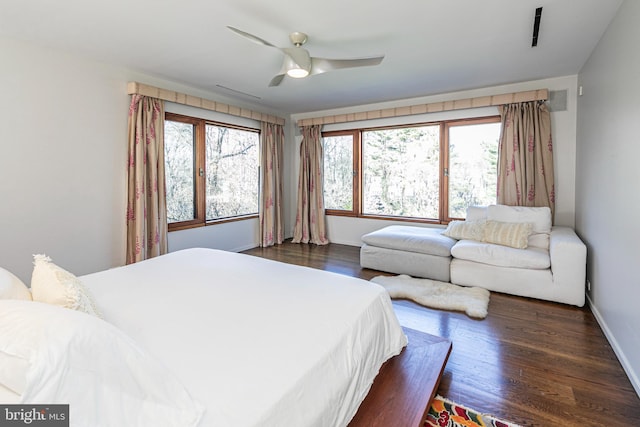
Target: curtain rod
[459, 104]
[194, 101]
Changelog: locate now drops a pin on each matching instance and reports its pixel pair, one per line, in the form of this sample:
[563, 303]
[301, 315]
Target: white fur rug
[432, 293]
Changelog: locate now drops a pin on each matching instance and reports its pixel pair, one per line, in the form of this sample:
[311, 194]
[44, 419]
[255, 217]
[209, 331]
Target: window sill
[186, 226]
[384, 217]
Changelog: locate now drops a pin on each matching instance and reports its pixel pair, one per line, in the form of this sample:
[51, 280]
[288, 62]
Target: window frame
[200, 173]
[357, 162]
[361, 174]
[447, 126]
[358, 197]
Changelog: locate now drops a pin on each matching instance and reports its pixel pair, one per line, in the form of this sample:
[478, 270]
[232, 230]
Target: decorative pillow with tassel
[54, 285]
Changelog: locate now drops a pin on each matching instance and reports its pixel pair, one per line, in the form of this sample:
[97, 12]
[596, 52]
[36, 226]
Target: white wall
[349, 230]
[61, 168]
[232, 236]
[63, 143]
[608, 180]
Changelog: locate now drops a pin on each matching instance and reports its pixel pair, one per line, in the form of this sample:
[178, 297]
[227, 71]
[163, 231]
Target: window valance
[194, 101]
[459, 104]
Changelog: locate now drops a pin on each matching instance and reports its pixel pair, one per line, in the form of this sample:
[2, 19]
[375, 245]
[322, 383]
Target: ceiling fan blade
[300, 56]
[251, 37]
[276, 80]
[322, 65]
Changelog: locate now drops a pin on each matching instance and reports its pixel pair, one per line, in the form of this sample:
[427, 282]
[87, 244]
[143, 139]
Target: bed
[202, 337]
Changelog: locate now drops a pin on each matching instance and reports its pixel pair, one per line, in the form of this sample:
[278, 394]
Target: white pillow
[83, 361]
[55, 285]
[11, 287]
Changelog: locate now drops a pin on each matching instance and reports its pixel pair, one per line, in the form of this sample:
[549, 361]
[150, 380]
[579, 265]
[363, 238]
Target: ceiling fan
[298, 63]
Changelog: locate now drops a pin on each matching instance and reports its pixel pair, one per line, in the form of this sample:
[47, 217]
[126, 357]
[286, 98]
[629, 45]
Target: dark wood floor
[531, 362]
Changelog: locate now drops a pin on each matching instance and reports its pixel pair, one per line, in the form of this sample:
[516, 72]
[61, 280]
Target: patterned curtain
[310, 221]
[525, 157]
[146, 202]
[271, 208]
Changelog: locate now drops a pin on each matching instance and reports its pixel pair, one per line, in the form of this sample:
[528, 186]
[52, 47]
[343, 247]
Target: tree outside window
[430, 172]
[212, 171]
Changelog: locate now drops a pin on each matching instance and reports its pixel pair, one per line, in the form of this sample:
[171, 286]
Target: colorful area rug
[445, 413]
[434, 294]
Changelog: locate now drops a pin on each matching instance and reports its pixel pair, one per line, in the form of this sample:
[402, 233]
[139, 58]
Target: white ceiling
[431, 46]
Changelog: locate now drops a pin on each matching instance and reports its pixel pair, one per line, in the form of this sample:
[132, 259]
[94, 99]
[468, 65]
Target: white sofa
[551, 267]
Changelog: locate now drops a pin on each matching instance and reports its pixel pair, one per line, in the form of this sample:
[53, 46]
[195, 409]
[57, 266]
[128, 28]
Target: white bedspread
[259, 343]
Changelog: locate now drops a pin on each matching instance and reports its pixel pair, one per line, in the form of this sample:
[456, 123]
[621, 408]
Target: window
[339, 152]
[429, 172]
[473, 165]
[211, 171]
[180, 149]
[401, 171]
[232, 165]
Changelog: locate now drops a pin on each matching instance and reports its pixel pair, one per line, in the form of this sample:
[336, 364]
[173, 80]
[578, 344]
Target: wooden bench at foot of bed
[406, 384]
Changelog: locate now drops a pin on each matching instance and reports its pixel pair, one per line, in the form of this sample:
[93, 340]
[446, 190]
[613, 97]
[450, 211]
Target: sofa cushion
[502, 256]
[476, 213]
[405, 262]
[540, 217]
[412, 239]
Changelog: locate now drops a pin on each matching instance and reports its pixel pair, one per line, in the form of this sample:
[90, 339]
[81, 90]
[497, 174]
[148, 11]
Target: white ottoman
[416, 251]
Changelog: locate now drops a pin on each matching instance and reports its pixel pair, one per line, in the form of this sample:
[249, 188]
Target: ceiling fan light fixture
[297, 73]
[294, 70]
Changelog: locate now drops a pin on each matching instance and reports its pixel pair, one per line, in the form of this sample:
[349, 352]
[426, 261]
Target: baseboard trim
[345, 242]
[244, 248]
[628, 369]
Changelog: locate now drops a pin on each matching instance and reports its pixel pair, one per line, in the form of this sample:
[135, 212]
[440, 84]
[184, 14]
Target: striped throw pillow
[513, 234]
